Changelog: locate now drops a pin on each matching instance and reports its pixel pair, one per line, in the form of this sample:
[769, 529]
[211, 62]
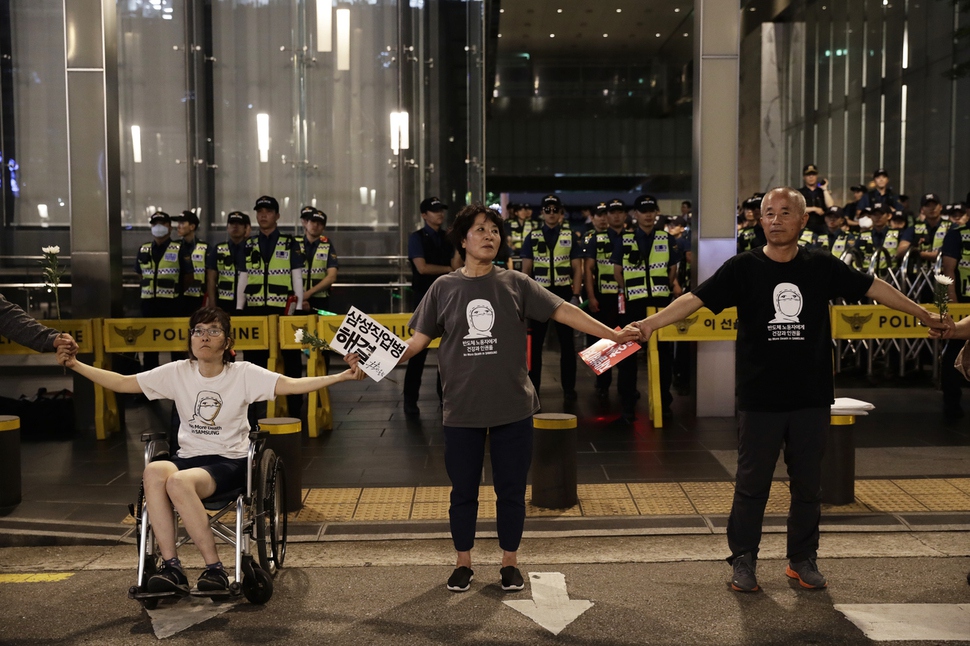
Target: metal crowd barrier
[851, 322]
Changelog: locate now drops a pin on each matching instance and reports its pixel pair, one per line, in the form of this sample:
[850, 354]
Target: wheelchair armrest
[255, 436]
[154, 435]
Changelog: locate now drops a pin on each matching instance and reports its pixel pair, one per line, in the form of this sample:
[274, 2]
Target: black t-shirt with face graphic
[784, 348]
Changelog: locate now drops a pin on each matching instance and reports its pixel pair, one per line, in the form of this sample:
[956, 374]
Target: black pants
[412, 377]
[951, 380]
[510, 446]
[567, 354]
[608, 316]
[629, 368]
[760, 438]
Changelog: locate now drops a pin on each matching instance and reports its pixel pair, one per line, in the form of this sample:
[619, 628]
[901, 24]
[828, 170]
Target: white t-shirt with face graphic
[213, 410]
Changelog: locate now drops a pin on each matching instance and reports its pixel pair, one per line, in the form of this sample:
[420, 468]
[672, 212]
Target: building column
[715, 142]
[91, 73]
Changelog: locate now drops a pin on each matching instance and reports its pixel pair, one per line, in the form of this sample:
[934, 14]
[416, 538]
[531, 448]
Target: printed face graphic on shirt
[788, 303]
[481, 318]
[207, 407]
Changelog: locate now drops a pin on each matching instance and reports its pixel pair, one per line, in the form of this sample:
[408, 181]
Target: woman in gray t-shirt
[481, 313]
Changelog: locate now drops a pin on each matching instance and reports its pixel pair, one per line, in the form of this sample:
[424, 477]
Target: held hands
[65, 340]
[65, 357]
[627, 334]
[353, 374]
[939, 329]
[644, 329]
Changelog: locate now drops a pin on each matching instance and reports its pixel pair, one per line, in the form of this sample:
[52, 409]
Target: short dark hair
[687, 203]
[213, 315]
[466, 218]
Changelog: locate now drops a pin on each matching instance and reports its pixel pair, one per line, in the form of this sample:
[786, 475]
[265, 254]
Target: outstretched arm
[676, 311]
[886, 294]
[106, 378]
[302, 385]
[570, 315]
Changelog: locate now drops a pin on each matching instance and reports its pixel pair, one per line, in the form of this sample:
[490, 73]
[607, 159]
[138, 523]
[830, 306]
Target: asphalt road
[657, 590]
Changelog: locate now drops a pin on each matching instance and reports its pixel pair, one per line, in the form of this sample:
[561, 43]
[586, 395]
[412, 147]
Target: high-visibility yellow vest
[270, 283]
[519, 230]
[963, 265]
[807, 238]
[558, 259]
[227, 275]
[867, 245]
[636, 272]
[747, 237]
[198, 270]
[605, 279]
[920, 230]
[316, 267]
[838, 247]
[159, 281]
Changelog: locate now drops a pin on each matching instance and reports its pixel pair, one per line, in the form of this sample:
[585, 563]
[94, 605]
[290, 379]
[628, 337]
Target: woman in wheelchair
[212, 395]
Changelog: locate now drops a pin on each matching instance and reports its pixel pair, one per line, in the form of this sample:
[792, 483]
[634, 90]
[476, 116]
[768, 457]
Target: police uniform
[836, 242]
[270, 261]
[157, 265]
[814, 198]
[433, 246]
[956, 245]
[552, 251]
[598, 247]
[319, 256]
[873, 196]
[751, 237]
[192, 259]
[872, 240]
[645, 259]
[226, 259]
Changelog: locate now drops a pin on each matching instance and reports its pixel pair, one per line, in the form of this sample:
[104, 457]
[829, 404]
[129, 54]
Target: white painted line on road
[171, 618]
[550, 606]
[883, 622]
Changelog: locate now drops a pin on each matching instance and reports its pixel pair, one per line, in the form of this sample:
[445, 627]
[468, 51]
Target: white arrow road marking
[550, 606]
[909, 621]
[171, 618]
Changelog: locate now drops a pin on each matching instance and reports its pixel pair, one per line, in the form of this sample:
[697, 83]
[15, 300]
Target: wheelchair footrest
[133, 594]
[233, 591]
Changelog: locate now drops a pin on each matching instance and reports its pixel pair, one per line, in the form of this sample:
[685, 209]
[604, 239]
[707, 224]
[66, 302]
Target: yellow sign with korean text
[881, 322]
[703, 325]
[396, 323]
[80, 329]
[172, 334]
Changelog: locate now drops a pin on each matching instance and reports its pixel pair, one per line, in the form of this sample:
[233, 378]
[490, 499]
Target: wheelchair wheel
[258, 588]
[271, 513]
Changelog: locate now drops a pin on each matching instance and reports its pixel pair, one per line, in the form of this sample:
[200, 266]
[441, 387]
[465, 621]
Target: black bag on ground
[45, 416]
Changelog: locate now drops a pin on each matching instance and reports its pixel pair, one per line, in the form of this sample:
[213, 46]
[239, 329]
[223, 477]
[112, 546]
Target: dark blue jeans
[510, 446]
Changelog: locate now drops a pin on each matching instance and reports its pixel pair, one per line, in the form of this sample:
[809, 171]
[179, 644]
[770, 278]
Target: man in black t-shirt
[784, 374]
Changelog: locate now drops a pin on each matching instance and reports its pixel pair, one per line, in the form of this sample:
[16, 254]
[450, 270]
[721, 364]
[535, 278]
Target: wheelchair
[260, 509]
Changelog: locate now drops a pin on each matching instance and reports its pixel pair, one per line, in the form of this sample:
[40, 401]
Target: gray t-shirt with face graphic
[483, 327]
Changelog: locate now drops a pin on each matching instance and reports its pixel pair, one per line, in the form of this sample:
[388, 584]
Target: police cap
[237, 217]
[752, 203]
[551, 201]
[318, 216]
[858, 188]
[187, 216]
[882, 207]
[267, 202]
[601, 209]
[959, 208]
[880, 171]
[929, 197]
[645, 204]
[833, 212]
[306, 212]
[160, 216]
[432, 204]
[616, 205]
[810, 169]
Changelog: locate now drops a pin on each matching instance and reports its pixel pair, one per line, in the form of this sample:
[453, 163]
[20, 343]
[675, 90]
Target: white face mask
[159, 230]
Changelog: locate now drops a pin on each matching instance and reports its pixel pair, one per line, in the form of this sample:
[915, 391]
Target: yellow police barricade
[327, 326]
[847, 321]
[318, 415]
[87, 333]
[171, 335]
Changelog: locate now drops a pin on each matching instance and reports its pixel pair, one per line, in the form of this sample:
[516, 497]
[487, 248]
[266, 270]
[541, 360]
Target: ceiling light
[658, 34]
[676, 9]
[552, 35]
[558, 10]
[606, 35]
[500, 35]
[501, 10]
[685, 34]
[619, 11]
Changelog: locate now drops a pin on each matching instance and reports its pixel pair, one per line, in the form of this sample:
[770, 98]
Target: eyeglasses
[550, 209]
[201, 331]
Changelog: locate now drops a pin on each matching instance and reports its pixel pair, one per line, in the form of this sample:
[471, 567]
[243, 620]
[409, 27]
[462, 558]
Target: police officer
[958, 217]
[926, 236]
[225, 261]
[320, 257]
[817, 197]
[192, 256]
[751, 235]
[880, 236]
[645, 267]
[601, 287]
[956, 265]
[882, 192]
[157, 264]
[517, 229]
[273, 279]
[834, 239]
[431, 255]
[551, 256]
[850, 210]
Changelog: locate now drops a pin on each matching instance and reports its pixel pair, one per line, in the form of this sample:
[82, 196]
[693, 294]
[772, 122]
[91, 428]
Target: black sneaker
[169, 579]
[511, 579]
[807, 574]
[743, 579]
[461, 579]
[411, 409]
[213, 580]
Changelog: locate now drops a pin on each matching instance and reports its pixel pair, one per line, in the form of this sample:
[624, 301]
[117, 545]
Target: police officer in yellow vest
[608, 220]
[157, 264]
[320, 257]
[517, 229]
[645, 267]
[956, 265]
[750, 234]
[880, 236]
[926, 236]
[833, 238]
[192, 255]
[225, 261]
[551, 257]
[274, 274]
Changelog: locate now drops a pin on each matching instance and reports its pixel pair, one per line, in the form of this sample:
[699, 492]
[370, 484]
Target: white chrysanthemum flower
[943, 280]
[299, 335]
[54, 249]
